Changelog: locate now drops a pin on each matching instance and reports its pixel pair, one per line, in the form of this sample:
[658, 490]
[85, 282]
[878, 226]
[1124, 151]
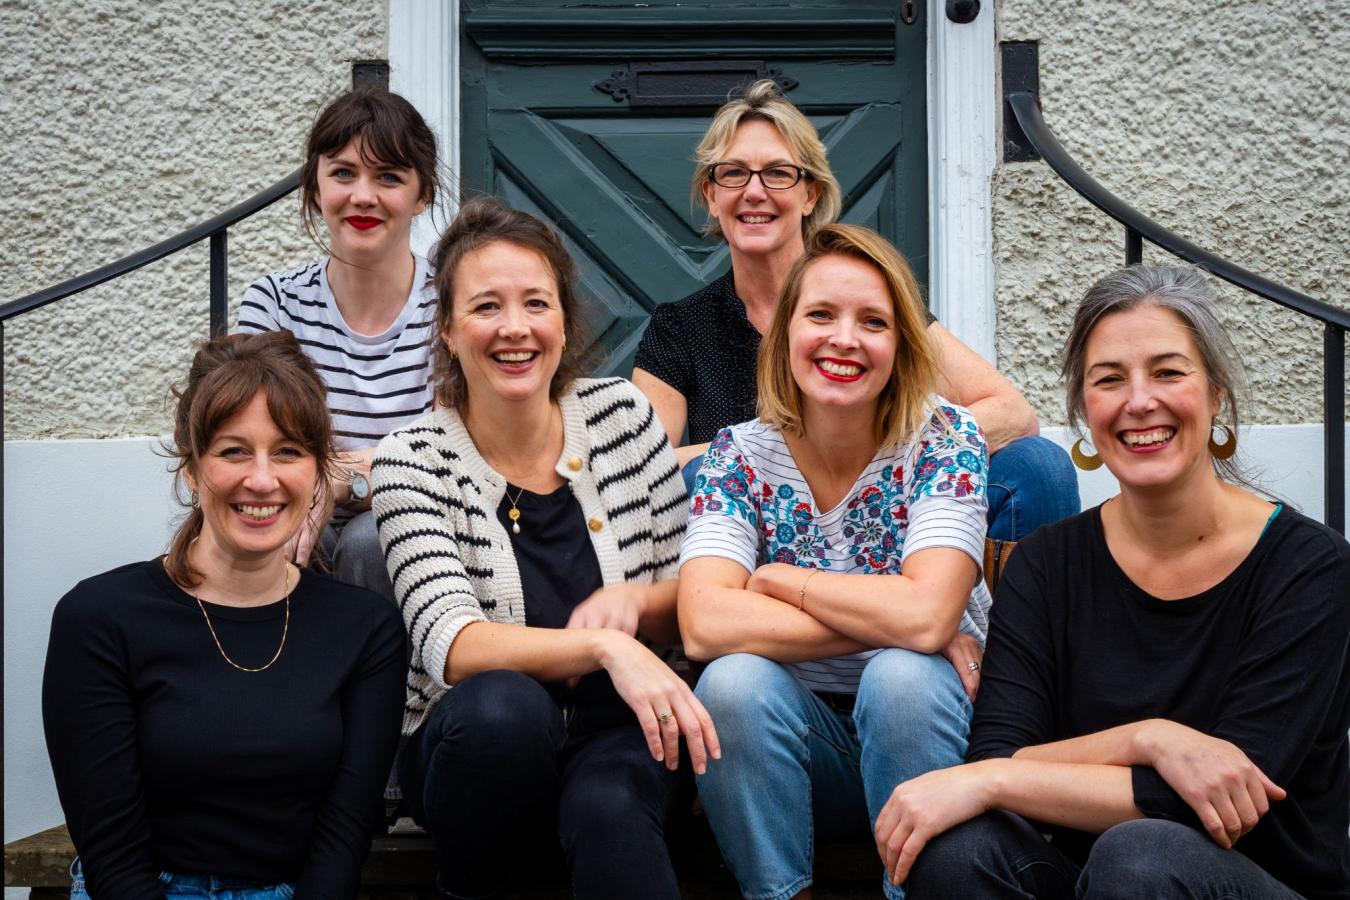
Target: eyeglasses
[775, 178]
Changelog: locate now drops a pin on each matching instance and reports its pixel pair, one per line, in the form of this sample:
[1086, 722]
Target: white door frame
[962, 144]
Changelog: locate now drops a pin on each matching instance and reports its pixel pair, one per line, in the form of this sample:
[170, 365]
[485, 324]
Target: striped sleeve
[414, 510]
[258, 309]
[723, 521]
[669, 503]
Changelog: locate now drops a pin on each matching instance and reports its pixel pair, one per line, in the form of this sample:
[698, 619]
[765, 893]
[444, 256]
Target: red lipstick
[362, 222]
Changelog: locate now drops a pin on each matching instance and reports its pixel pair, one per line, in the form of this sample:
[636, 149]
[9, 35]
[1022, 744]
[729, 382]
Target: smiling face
[1147, 400]
[842, 335]
[506, 324]
[755, 220]
[254, 484]
[367, 205]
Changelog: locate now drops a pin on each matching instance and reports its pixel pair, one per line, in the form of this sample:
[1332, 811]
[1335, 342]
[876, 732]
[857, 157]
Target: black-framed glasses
[775, 178]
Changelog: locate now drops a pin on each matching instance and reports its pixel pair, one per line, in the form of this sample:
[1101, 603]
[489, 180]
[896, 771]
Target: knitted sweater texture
[450, 560]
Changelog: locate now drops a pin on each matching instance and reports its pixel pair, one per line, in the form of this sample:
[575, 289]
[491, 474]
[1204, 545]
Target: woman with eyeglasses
[763, 176]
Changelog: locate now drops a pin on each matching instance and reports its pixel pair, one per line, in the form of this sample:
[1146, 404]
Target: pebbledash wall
[126, 122]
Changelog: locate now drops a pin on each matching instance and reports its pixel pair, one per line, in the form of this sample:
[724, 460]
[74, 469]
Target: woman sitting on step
[364, 312]
[831, 569]
[532, 525]
[1167, 688]
[217, 719]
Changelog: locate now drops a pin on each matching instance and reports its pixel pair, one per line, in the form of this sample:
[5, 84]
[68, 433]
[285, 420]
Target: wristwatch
[358, 486]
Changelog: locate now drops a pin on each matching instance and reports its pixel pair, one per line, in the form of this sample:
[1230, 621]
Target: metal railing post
[220, 281]
[1333, 417]
[1134, 247]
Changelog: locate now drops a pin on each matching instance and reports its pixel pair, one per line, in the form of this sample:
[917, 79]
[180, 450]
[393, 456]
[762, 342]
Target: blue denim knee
[1031, 483]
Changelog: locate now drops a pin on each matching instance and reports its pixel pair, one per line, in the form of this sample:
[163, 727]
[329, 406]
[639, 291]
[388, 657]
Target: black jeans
[495, 770]
[1002, 855]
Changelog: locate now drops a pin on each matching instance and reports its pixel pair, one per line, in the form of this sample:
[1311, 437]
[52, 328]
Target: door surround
[424, 67]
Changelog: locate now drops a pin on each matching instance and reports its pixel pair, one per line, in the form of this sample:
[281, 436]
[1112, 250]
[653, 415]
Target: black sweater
[169, 759]
[1259, 660]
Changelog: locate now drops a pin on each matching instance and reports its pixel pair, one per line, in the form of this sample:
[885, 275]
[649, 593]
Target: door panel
[542, 129]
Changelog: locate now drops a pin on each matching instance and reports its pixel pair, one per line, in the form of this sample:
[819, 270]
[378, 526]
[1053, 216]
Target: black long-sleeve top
[1260, 660]
[169, 759]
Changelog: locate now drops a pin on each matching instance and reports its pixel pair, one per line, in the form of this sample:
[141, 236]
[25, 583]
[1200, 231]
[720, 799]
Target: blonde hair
[903, 405]
[763, 102]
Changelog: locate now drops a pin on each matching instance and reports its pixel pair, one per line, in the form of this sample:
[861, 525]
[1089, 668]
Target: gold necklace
[285, 629]
[514, 512]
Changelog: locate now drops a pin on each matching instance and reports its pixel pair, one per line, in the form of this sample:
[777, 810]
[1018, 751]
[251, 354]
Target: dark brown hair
[225, 375]
[483, 221]
[392, 132]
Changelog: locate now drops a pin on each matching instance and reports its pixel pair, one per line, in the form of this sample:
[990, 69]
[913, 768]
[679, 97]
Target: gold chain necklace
[285, 629]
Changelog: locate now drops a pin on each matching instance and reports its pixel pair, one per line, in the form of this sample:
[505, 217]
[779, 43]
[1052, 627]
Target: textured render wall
[174, 112]
[1228, 123]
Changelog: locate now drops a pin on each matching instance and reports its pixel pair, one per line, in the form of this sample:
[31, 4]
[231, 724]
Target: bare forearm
[1124, 745]
[883, 611]
[658, 620]
[1004, 419]
[1087, 797]
[721, 620]
[548, 654]
[691, 451]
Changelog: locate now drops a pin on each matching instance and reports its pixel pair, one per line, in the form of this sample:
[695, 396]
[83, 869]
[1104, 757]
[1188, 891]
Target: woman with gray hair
[1142, 698]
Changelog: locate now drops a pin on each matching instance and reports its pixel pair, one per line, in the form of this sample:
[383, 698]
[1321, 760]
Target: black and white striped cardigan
[451, 562]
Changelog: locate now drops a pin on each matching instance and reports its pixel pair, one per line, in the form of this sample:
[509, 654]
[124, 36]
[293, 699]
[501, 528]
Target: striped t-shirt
[376, 382]
[752, 506]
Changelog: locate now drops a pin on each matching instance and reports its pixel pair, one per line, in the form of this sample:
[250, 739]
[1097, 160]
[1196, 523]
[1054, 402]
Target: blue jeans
[794, 771]
[198, 887]
[1031, 483]
[495, 768]
[1000, 854]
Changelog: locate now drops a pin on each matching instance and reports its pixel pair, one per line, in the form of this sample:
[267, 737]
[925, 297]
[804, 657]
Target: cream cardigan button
[574, 463]
[595, 524]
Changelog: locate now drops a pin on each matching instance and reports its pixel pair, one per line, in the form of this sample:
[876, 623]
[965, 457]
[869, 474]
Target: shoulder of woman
[417, 435]
[103, 596]
[1307, 542]
[303, 276]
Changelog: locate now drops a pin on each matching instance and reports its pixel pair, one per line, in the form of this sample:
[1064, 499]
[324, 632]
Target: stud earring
[1086, 462]
[1228, 447]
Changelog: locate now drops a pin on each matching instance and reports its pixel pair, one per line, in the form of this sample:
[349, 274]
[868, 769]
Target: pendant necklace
[514, 512]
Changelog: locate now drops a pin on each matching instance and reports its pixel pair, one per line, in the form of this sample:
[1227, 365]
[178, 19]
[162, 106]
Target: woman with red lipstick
[220, 722]
[532, 524]
[1167, 689]
[363, 314]
[830, 570]
[764, 179]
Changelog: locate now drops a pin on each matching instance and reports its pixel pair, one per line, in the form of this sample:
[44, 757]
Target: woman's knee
[497, 707]
[908, 683]
[1141, 852]
[742, 685]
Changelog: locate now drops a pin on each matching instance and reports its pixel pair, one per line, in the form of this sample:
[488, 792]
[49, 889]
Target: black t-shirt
[169, 759]
[705, 347]
[1260, 660]
[558, 570]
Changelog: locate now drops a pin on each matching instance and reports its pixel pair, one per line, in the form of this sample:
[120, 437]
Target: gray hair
[1183, 291]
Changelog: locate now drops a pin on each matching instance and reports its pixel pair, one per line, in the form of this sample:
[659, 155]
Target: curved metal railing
[1139, 227]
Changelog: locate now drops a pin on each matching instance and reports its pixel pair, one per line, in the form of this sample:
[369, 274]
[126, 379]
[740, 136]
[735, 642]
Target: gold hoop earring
[451, 348]
[1084, 461]
[1227, 448]
[193, 500]
[564, 344]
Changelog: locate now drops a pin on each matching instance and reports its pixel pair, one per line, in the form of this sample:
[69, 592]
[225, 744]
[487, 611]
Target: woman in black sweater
[218, 719]
[1167, 687]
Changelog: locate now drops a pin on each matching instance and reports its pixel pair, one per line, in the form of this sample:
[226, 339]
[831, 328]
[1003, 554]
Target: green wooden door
[588, 116]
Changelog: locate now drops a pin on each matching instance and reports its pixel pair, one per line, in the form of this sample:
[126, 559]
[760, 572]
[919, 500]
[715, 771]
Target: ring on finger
[973, 665]
[665, 717]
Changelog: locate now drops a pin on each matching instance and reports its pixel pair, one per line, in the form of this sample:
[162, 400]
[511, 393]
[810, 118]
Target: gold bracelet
[801, 597]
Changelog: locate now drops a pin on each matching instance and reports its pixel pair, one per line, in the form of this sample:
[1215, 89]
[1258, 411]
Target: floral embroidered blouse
[751, 505]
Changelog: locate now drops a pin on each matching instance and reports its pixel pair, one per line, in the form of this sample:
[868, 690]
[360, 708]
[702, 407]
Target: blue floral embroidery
[952, 458]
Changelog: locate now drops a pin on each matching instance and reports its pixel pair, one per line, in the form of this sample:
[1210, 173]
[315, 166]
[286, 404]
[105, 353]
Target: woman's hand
[1215, 778]
[923, 808]
[961, 653]
[619, 606]
[665, 706]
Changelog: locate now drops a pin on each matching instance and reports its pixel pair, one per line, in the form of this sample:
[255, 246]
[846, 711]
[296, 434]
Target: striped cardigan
[451, 562]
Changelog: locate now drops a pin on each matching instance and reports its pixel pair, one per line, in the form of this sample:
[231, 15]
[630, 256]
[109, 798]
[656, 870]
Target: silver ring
[973, 665]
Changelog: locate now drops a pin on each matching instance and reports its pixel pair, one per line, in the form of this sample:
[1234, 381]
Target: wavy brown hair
[903, 405]
[486, 220]
[227, 373]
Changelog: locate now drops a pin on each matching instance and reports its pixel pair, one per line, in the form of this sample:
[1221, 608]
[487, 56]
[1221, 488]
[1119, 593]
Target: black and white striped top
[449, 557]
[376, 382]
[752, 505]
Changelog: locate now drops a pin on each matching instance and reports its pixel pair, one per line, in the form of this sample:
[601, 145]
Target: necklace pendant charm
[515, 528]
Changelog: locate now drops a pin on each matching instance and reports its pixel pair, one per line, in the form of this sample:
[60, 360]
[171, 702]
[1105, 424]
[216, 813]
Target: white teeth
[756, 220]
[843, 370]
[258, 512]
[513, 356]
[1142, 438]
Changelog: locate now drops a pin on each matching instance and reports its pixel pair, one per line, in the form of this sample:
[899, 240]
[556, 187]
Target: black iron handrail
[216, 229]
[1139, 227]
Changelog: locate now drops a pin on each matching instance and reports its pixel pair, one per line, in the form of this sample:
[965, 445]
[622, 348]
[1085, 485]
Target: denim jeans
[355, 555]
[1031, 483]
[794, 771]
[198, 887]
[496, 768]
[1000, 854]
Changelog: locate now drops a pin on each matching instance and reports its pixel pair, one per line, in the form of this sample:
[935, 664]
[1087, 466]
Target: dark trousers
[495, 773]
[1002, 855]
